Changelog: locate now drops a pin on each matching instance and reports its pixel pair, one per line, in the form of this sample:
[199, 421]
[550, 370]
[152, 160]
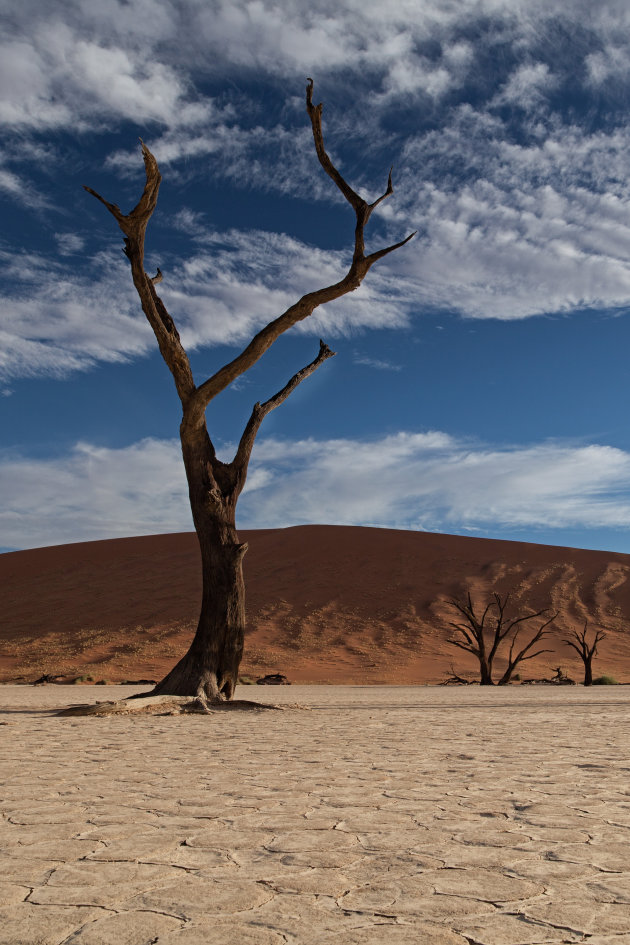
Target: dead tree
[209, 669]
[454, 679]
[585, 650]
[483, 635]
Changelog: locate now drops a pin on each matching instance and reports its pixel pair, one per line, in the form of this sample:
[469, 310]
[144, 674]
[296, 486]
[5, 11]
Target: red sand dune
[325, 604]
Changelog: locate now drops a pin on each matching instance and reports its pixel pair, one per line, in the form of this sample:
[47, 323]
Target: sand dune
[325, 604]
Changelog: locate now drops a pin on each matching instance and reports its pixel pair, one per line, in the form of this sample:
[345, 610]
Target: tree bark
[210, 667]
[588, 671]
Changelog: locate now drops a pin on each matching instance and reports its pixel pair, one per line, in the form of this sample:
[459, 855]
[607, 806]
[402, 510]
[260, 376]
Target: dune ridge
[325, 604]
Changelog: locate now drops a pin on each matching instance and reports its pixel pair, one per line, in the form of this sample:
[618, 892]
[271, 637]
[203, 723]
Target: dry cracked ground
[375, 815]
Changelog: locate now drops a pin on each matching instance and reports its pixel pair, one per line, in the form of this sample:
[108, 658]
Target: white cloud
[510, 226]
[377, 363]
[189, 221]
[54, 76]
[527, 85]
[17, 188]
[74, 64]
[237, 281]
[94, 493]
[434, 482]
[69, 243]
[489, 249]
[438, 483]
[526, 229]
[608, 64]
[56, 319]
[143, 58]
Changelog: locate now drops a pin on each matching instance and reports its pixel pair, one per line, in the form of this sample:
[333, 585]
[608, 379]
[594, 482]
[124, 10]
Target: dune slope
[325, 604]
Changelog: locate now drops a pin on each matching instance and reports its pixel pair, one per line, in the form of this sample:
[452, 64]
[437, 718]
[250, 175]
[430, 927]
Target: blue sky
[482, 373]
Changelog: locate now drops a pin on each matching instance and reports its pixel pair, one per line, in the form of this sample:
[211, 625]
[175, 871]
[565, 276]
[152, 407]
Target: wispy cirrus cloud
[19, 189]
[69, 243]
[378, 363]
[510, 230]
[522, 207]
[52, 318]
[435, 482]
[225, 290]
[438, 482]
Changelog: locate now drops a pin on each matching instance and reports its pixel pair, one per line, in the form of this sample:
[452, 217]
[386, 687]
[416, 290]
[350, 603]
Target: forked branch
[194, 398]
[308, 303]
[362, 208]
[260, 411]
[524, 653]
[134, 225]
[581, 645]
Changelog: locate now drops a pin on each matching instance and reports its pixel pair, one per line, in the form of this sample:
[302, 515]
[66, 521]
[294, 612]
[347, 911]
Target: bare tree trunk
[485, 673]
[588, 671]
[210, 667]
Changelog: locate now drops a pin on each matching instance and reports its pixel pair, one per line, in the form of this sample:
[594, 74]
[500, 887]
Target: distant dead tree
[585, 649]
[454, 679]
[209, 670]
[483, 635]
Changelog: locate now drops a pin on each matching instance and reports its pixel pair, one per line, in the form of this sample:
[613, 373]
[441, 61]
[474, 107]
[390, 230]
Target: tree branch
[315, 114]
[531, 656]
[467, 611]
[260, 411]
[133, 225]
[453, 679]
[308, 303]
[196, 399]
[464, 646]
[388, 249]
[580, 649]
[518, 620]
[467, 633]
[541, 632]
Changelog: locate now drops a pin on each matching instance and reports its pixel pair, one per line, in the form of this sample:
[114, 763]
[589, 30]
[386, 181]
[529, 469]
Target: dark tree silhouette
[209, 669]
[585, 649]
[483, 635]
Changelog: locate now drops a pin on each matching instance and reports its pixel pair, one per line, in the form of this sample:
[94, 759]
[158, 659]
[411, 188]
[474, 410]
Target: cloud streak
[229, 286]
[522, 206]
[434, 482]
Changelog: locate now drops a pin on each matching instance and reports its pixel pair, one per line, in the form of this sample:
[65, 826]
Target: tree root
[170, 705]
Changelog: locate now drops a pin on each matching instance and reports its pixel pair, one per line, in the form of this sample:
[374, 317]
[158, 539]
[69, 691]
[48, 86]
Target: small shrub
[605, 681]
